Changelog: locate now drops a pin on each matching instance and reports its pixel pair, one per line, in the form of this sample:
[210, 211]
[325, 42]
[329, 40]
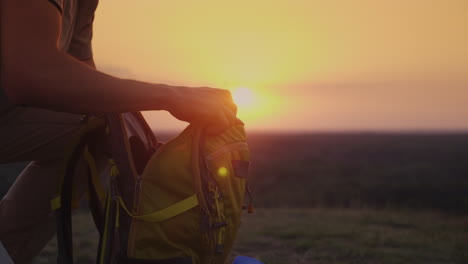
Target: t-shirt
[77, 26]
[76, 34]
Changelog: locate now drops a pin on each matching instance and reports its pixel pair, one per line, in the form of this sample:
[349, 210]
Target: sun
[243, 97]
[254, 105]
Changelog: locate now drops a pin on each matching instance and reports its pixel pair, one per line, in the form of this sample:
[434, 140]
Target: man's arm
[36, 73]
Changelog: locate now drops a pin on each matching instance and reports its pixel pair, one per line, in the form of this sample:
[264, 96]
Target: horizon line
[341, 131]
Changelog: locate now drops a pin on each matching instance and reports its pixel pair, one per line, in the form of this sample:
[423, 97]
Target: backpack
[178, 202]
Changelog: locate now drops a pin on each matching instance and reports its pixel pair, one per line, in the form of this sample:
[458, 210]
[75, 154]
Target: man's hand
[204, 105]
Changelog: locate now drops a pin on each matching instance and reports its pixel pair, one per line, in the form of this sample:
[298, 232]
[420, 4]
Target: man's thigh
[36, 134]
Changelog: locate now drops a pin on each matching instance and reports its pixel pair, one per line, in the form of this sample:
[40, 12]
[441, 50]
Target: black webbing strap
[96, 206]
[64, 223]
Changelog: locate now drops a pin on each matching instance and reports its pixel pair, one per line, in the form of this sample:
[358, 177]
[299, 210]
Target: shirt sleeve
[80, 45]
[58, 4]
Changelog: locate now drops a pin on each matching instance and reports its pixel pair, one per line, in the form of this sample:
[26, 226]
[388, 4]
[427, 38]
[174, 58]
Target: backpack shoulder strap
[62, 203]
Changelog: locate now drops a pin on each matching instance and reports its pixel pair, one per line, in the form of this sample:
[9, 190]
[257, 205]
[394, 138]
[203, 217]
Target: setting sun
[243, 96]
[254, 105]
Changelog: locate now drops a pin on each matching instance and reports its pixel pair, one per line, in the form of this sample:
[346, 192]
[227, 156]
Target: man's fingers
[223, 118]
[208, 105]
[230, 115]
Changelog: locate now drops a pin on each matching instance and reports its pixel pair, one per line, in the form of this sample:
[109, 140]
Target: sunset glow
[243, 97]
[299, 65]
[254, 106]
[248, 104]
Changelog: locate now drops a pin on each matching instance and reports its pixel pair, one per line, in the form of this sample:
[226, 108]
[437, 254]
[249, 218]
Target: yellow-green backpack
[175, 203]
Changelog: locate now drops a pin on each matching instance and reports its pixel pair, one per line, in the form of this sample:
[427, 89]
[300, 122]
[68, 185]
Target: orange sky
[311, 65]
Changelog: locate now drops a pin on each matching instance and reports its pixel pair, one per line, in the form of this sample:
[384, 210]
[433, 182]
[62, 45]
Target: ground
[326, 236]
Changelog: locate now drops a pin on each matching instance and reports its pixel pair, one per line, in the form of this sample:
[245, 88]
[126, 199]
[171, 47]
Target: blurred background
[356, 114]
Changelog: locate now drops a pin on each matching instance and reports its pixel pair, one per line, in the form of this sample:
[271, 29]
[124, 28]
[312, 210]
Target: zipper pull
[138, 185]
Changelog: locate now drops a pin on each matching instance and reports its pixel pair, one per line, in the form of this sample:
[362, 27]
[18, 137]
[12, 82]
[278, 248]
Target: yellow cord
[114, 171]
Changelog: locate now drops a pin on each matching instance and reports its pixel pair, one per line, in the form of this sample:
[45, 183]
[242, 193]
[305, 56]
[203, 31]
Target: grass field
[328, 236]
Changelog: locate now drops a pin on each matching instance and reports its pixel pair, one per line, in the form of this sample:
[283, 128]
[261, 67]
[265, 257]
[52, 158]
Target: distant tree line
[415, 171]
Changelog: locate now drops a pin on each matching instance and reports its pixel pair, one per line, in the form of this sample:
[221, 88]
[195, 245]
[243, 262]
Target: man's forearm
[34, 72]
[62, 83]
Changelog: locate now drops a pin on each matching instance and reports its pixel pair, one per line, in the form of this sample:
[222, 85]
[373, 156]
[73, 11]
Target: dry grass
[326, 236]
[353, 236]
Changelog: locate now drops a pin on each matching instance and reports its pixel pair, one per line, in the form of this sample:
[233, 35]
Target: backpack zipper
[138, 185]
[139, 180]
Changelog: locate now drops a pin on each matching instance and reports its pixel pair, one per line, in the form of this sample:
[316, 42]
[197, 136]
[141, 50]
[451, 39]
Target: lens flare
[223, 172]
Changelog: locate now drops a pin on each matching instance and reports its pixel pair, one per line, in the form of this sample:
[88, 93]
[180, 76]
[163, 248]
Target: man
[48, 81]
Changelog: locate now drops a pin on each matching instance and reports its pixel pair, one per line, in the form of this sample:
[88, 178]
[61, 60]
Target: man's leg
[26, 220]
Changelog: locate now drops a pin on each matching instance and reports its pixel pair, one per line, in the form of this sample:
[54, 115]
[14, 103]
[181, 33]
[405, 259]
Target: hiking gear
[179, 202]
[246, 260]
